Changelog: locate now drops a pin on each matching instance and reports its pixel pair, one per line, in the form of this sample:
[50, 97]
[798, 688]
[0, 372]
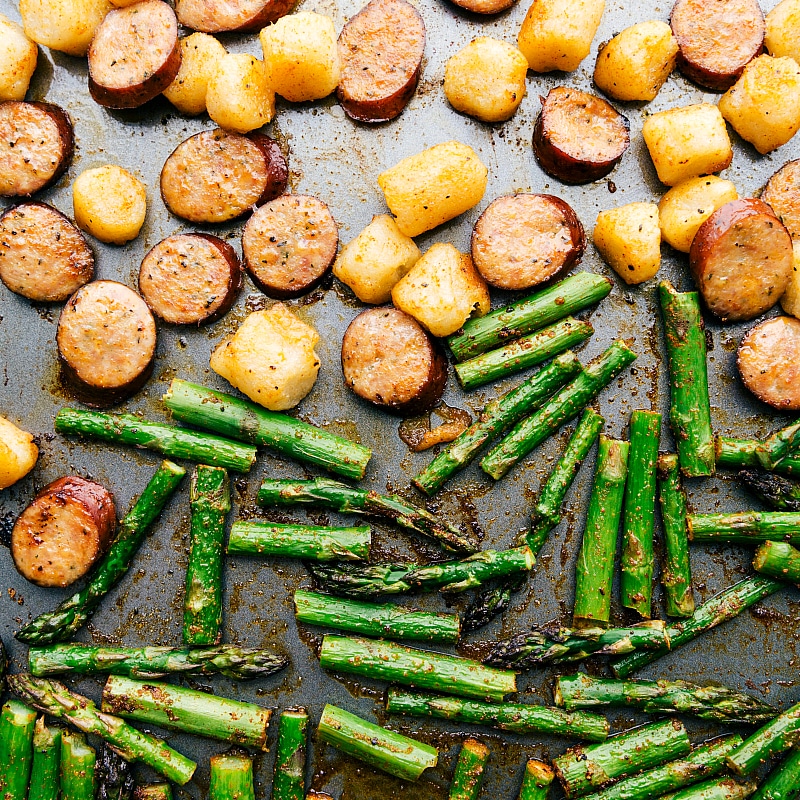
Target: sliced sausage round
[381, 51]
[289, 244]
[216, 176]
[106, 341]
[579, 137]
[782, 195]
[523, 240]
[769, 362]
[741, 259]
[389, 360]
[190, 278]
[43, 256]
[216, 16]
[484, 6]
[134, 55]
[717, 39]
[63, 532]
[36, 146]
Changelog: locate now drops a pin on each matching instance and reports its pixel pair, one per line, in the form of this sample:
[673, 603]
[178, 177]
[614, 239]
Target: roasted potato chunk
[373, 262]
[763, 106]
[442, 290]
[687, 142]
[432, 187]
[18, 453]
[557, 34]
[635, 64]
[486, 79]
[685, 207]
[303, 56]
[18, 56]
[239, 96]
[200, 56]
[65, 25]
[783, 30]
[629, 240]
[270, 358]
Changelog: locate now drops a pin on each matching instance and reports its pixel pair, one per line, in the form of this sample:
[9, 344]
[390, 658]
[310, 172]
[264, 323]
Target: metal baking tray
[338, 160]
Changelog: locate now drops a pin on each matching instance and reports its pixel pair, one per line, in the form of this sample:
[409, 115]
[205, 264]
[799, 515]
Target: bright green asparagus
[536, 781]
[716, 789]
[315, 542]
[781, 445]
[776, 737]
[778, 560]
[468, 775]
[290, 763]
[745, 527]
[17, 723]
[78, 759]
[783, 783]
[45, 772]
[231, 777]
[741, 453]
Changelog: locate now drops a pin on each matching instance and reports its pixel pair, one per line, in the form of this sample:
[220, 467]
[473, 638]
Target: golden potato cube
[687, 142]
[629, 240]
[239, 96]
[65, 25]
[375, 260]
[783, 30]
[200, 55]
[109, 203]
[763, 106]
[18, 56]
[790, 300]
[685, 207]
[303, 56]
[270, 358]
[432, 187]
[557, 34]
[486, 79]
[636, 62]
[442, 290]
[18, 453]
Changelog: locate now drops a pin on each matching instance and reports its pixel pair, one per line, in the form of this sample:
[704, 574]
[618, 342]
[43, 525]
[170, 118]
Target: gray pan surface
[338, 160]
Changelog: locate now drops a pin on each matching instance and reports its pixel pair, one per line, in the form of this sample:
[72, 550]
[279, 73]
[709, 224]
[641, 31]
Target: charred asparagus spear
[153, 791]
[202, 606]
[114, 776]
[594, 570]
[337, 496]
[75, 611]
[468, 776]
[517, 717]
[783, 783]
[16, 749]
[716, 789]
[536, 781]
[379, 580]
[741, 453]
[78, 766]
[290, 763]
[726, 605]
[745, 527]
[317, 542]
[240, 419]
[657, 697]
[781, 445]
[774, 490]
[45, 772]
[52, 697]
[776, 737]
[558, 645]
[393, 753]
[582, 769]
[779, 560]
[231, 777]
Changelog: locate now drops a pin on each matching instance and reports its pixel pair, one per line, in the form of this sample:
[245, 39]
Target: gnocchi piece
[303, 56]
[687, 142]
[442, 290]
[635, 64]
[763, 106]
[783, 30]
[373, 262]
[432, 187]
[629, 240]
[18, 453]
[64, 25]
[486, 79]
[557, 34]
[685, 207]
[270, 358]
[109, 203]
[239, 96]
[200, 55]
[790, 300]
[18, 56]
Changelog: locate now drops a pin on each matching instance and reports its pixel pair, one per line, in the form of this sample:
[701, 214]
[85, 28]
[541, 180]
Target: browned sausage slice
[389, 360]
[36, 146]
[741, 259]
[523, 240]
[62, 533]
[43, 256]
[289, 244]
[782, 194]
[216, 16]
[717, 39]
[106, 340]
[215, 176]
[769, 362]
[134, 55]
[190, 278]
[381, 51]
[484, 6]
[579, 137]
